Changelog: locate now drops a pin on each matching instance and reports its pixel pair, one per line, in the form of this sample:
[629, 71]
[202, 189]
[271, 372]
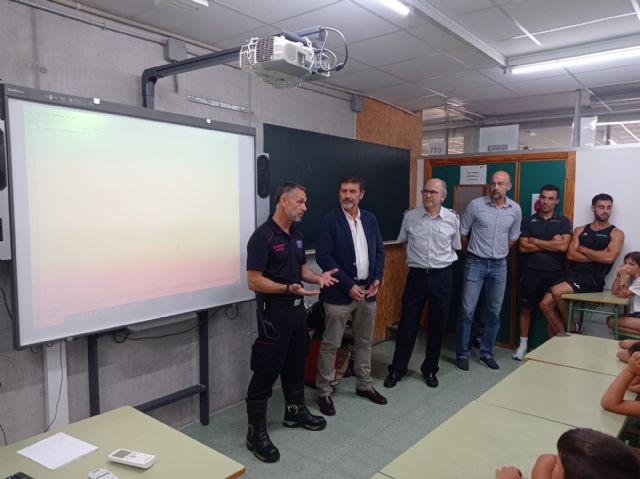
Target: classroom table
[579, 302]
[475, 442]
[590, 353]
[177, 455]
[567, 395]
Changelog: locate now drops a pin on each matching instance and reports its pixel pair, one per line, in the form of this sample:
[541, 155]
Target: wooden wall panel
[382, 123]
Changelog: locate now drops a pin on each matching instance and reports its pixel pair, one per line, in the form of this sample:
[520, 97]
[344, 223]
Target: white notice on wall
[473, 175]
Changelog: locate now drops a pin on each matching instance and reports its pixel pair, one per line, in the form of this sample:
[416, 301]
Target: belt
[429, 270]
[487, 259]
[279, 298]
[361, 282]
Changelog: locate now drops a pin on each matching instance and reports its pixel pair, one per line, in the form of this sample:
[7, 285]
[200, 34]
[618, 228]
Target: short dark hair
[601, 197]
[351, 178]
[550, 187]
[286, 188]
[634, 348]
[633, 256]
[589, 454]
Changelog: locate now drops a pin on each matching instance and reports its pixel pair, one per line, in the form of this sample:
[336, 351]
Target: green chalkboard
[317, 161]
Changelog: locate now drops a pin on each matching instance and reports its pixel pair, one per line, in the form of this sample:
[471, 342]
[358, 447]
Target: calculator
[132, 458]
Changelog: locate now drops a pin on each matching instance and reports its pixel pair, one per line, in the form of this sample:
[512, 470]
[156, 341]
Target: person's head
[601, 206]
[549, 198]
[291, 200]
[433, 193]
[499, 185]
[634, 348]
[589, 454]
[632, 263]
[351, 192]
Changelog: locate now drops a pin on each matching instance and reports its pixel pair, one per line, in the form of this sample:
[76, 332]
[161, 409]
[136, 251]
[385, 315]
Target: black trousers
[435, 286]
[279, 350]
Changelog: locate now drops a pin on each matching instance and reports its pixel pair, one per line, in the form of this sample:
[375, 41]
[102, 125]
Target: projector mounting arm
[316, 35]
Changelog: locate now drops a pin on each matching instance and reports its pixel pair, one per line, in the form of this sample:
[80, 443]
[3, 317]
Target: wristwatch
[287, 290]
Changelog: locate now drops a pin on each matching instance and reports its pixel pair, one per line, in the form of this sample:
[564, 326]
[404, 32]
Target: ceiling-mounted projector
[277, 60]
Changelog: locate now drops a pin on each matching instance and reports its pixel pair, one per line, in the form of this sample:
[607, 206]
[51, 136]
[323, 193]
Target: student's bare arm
[572, 252]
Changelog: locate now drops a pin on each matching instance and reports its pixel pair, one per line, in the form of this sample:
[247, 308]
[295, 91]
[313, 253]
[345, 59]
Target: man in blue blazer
[349, 239]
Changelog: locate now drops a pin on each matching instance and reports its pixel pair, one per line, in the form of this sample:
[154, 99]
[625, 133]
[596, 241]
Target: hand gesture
[298, 289]
[357, 293]
[327, 279]
[373, 289]
[634, 363]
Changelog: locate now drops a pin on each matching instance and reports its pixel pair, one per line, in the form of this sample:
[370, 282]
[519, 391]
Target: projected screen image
[120, 219]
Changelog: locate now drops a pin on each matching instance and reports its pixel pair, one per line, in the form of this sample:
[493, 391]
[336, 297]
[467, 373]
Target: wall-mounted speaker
[262, 175]
[357, 104]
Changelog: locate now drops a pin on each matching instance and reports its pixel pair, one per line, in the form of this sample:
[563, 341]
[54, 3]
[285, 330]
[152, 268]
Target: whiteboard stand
[201, 389]
[56, 393]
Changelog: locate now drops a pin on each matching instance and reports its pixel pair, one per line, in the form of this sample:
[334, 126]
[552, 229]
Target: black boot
[297, 415]
[257, 438]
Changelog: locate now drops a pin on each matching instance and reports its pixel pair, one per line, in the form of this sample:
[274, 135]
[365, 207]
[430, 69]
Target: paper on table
[57, 450]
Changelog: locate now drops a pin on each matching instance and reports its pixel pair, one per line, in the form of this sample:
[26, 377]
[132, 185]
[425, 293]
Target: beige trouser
[362, 315]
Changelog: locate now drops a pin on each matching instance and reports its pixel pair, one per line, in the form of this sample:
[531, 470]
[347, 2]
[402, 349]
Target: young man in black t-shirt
[544, 239]
[592, 251]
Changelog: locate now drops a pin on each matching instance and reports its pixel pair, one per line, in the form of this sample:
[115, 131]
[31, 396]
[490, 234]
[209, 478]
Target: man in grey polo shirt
[432, 236]
[490, 226]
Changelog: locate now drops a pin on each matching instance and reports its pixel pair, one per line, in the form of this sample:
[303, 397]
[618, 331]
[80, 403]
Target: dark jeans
[434, 285]
[479, 272]
[279, 350]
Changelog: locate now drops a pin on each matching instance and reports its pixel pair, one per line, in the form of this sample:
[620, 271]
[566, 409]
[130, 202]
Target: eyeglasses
[430, 192]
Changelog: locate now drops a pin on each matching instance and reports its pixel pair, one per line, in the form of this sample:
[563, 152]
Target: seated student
[583, 454]
[627, 285]
[613, 399]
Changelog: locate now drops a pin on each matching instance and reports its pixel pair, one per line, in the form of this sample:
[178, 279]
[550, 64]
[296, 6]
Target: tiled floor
[362, 437]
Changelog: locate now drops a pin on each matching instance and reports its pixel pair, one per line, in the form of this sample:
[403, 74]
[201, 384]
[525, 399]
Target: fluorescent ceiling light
[630, 122]
[580, 60]
[397, 6]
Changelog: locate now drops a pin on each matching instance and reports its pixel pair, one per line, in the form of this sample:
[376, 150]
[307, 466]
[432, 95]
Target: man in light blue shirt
[489, 227]
[432, 236]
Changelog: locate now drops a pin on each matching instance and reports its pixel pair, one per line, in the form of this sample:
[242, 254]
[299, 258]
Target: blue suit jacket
[334, 249]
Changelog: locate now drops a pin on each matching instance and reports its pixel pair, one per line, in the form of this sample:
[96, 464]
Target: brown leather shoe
[326, 406]
[372, 395]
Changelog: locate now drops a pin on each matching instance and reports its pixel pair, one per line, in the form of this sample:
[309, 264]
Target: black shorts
[582, 283]
[534, 284]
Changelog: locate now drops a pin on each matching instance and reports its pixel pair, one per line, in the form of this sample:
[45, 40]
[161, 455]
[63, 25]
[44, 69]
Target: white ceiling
[416, 63]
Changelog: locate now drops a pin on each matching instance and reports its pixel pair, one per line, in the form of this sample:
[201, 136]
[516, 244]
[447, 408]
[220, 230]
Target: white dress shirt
[431, 241]
[359, 244]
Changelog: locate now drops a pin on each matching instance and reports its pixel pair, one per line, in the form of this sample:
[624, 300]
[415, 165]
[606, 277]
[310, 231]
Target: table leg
[615, 322]
[570, 316]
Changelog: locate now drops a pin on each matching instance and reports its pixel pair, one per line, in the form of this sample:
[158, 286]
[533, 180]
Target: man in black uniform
[275, 271]
[544, 238]
[592, 251]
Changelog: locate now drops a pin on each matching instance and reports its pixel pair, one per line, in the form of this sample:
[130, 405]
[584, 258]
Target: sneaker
[519, 353]
[462, 364]
[489, 362]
